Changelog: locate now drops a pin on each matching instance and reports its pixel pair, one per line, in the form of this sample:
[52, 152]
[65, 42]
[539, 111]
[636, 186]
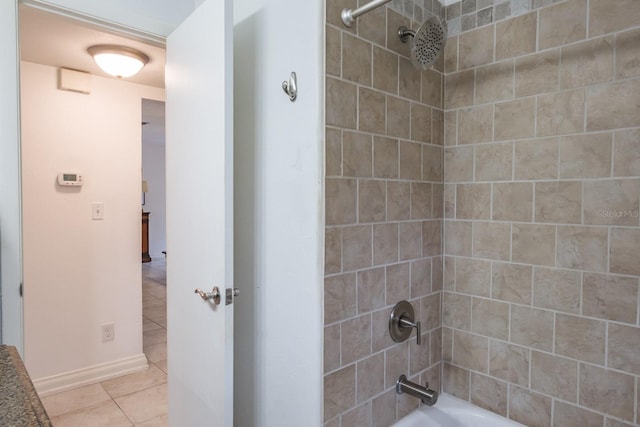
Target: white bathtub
[450, 411]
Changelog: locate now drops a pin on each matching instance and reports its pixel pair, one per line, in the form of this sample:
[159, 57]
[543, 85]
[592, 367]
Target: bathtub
[453, 412]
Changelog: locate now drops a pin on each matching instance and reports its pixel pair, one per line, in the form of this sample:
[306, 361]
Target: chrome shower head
[428, 42]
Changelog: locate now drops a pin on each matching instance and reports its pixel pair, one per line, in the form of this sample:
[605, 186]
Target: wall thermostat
[65, 178]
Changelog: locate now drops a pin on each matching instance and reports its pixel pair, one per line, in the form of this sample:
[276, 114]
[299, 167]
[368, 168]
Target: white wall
[10, 248]
[278, 212]
[80, 273]
[153, 171]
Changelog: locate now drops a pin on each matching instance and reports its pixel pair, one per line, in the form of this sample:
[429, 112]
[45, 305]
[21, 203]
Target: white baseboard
[91, 375]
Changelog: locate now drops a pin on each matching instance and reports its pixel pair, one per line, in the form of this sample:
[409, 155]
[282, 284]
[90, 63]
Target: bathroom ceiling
[58, 41]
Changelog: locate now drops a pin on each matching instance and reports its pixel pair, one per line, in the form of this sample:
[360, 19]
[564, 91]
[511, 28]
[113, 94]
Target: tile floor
[138, 399]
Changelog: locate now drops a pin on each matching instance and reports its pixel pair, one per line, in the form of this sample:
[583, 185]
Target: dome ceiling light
[118, 61]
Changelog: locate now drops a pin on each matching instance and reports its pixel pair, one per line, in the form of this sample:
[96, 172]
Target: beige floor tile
[156, 336]
[156, 352]
[144, 405]
[149, 325]
[104, 415]
[162, 365]
[135, 382]
[162, 421]
[72, 400]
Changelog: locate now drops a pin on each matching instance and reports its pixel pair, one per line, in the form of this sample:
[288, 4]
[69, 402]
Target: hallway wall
[542, 184]
[384, 207]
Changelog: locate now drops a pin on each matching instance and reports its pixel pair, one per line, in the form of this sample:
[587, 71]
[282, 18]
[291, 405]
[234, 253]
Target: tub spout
[426, 395]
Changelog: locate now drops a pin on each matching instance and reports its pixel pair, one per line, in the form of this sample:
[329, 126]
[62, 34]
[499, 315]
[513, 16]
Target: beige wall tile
[580, 338]
[398, 117]
[420, 278]
[334, 51]
[432, 88]
[626, 153]
[449, 201]
[458, 164]
[494, 162]
[473, 201]
[455, 381]
[432, 163]
[430, 312]
[613, 106]
[495, 82]
[456, 311]
[560, 113]
[409, 85]
[398, 201]
[458, 235]
[451, 55]
[605, 17]
[331, 347]
[587, 63]
[333, 9]
[607, 391]
[574, 416]
[356, 59]
[490, 318]
[533, 244]
[384, 409]
[397, 363]
[516, 36]
[556, 289]
[371, 289]
[610, 422]
[553, 375]
[341, 103]
[470, 351]
[473, 277]
[357, 155]
[475, 47]
[558, 202]
[355, 339]
[385, 70]
[612, 202]
[437, 127]
[371, 200]
[492, 240]
[625, 247]
[419, 354]
[394, 21]
[509, 362]
[385, 243]
[563, 23]
[458, 90]
[431, 238]
[421, 200]
[624, 348]
[333, 152]
[340, 201]
[489, 393]
[420, 123]
[585, 156]
[410, 160]
[369, 377]
[369, 26]
[515, 119]
[360, 416]
[475, 124]
[339, 297]
[511, 282]
[333, 250]
[536, 159]
[437, 273]
[380, 338]
[628, 54]
[529, 408]
[447, 344]
[536, 74]
[513, 201]
[532, 327]
[356, 247]
[371, 111]
[583, 248]
[385, 157]
[339, 391]
[410, 240]
[398, 283]
[450, 128]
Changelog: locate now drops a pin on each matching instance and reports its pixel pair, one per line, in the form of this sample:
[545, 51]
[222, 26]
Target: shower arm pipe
[349, 15]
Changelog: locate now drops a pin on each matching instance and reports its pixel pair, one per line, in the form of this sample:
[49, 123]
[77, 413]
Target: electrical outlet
[108, 332]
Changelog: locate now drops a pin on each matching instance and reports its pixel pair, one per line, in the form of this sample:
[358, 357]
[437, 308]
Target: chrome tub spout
[425, 394]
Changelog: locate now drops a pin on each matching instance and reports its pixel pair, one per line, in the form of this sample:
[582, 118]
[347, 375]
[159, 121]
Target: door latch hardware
[214, 295]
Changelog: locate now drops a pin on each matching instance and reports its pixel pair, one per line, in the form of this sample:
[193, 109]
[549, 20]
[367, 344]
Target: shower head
[428, 42]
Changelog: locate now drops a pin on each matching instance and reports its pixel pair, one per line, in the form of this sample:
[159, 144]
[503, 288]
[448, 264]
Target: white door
[199, 216]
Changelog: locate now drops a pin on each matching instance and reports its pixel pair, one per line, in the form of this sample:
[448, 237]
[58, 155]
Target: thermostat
[66, 178]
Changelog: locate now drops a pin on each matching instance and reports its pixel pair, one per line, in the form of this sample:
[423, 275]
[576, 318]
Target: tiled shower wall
[542, 237]
[384, 208]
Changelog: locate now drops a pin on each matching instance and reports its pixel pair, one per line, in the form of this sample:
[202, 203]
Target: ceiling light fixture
[118, 61]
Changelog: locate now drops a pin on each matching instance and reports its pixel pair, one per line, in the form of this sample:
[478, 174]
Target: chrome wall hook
[291, 87]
